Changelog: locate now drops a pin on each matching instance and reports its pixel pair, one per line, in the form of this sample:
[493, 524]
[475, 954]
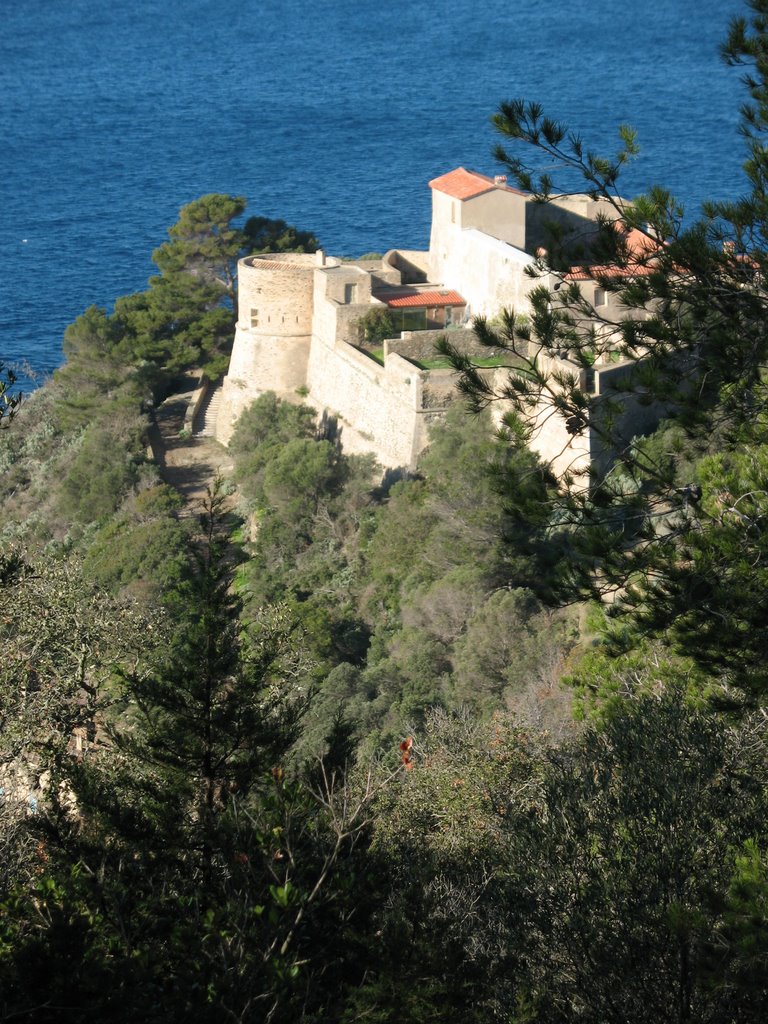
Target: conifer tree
[187, 862]
[191, 789]
[187, 315]
[676, 524]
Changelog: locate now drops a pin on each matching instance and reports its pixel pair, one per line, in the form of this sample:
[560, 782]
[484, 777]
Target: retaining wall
[420, 345]
[377, 408]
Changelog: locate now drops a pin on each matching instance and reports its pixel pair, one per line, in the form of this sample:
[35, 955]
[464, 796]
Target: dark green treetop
[187, 315]
[8, 402]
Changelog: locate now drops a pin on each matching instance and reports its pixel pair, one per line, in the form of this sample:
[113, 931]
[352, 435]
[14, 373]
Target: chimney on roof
[500, 179]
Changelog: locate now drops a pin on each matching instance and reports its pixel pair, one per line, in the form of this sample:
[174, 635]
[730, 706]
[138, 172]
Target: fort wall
[412, 264]
[632, 411]
[499, 213]
[550, 437]
[273, 332]
[376, 407]
[386, 410]
[297, 330]
[420, 346]
[613, 394]
[341, 298]
[488, 273]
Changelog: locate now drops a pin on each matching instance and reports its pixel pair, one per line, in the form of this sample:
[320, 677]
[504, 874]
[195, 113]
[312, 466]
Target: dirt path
[190, 464]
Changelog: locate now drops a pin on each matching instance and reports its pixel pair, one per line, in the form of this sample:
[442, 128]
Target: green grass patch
[441, 363]
[438, 363]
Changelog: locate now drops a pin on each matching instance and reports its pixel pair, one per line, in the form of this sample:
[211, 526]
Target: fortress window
[601, 299]
[254, 317]
[409, 319]
[350, 294]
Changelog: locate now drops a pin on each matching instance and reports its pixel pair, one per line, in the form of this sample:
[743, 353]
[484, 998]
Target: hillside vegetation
[482, 744]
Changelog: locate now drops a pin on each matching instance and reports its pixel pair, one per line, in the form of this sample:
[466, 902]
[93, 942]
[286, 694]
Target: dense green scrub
[409, 596]
[210, 837]
[314, 760]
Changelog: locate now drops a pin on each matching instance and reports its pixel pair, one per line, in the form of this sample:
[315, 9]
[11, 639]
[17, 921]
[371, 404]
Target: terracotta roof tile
[420, 299]
[592, 273]
[640, 250]
[464, 184]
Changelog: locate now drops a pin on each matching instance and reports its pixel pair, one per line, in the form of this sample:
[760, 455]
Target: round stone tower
[274, 331]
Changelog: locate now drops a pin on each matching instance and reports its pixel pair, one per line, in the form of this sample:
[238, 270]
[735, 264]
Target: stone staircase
[205, 420]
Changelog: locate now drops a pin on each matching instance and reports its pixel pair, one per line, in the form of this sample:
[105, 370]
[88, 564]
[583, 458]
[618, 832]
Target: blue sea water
[332, 115]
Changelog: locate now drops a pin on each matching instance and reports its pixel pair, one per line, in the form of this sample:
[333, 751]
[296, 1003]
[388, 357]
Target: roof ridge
[462, 183]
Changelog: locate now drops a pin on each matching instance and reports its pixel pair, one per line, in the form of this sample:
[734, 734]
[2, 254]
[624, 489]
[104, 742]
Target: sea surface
[333, 116]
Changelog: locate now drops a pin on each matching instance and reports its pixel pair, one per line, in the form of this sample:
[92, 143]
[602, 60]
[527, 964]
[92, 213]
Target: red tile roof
[640, 250]
[464, 184]
[420, 299]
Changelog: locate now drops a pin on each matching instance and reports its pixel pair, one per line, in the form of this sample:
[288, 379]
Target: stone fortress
[298, 315]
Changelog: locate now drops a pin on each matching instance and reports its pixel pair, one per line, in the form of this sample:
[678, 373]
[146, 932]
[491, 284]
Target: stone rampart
[377, 408]
[273, 334]
[420, 345]
[412, 265]
[438, 390]
[553, 366]
[631, 408]
[550, 437]
[275, 292]
[632, 412]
